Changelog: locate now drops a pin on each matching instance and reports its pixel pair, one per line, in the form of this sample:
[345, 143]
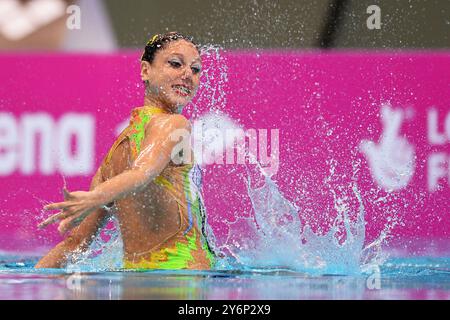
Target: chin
[180, 102]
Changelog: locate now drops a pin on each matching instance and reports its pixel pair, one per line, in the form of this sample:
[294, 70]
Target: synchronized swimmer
[157, 202]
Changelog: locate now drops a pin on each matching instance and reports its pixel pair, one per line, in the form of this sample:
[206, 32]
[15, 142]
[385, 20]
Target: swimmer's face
[174, 74]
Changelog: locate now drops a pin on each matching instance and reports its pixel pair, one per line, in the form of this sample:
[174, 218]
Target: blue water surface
[397, 278]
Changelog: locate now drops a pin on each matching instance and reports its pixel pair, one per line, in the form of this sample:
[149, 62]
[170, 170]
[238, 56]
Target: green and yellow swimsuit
[188, 248]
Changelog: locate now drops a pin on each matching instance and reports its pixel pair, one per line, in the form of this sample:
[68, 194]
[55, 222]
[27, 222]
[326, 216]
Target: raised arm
[160, 139]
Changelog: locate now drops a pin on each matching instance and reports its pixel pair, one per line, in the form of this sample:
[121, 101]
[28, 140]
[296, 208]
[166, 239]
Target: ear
[145, 70]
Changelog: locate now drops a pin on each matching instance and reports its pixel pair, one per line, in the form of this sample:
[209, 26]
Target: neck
[153, 102]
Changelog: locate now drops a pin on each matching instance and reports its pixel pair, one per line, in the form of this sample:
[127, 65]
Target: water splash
[105, 252]
[211, 94]
[276, 238]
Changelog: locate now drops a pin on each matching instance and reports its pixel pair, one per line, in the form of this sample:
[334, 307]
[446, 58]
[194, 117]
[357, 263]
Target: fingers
[63, 226]
[63, 206]
[57, 206]
[66, 193]
[70, 223]
[66, 225]
[55, 218]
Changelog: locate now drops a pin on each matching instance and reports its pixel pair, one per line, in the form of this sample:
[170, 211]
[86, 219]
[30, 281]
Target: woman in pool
[157, 201]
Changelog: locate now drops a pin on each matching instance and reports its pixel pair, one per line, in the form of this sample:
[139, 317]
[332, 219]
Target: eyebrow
[182, 57]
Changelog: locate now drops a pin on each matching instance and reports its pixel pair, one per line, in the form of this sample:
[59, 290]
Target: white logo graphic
[74, 281]
[215, 138]
[39, 143]
[19, 20]
[74, 20]
[374, 20]
[391, 160]
[373, 282]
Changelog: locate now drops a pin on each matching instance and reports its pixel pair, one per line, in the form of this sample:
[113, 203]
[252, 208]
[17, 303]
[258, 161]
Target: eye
[175, 64]
[196, 70]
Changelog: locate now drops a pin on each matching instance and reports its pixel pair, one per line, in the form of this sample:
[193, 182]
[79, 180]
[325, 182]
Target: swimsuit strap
[166, 239]
[135, 128]
[163, 182]
[139, 119]
[123, 136]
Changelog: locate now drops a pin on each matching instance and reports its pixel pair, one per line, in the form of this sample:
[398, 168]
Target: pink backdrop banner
[380, 120]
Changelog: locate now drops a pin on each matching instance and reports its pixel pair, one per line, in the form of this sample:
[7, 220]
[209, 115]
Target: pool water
[398, 278]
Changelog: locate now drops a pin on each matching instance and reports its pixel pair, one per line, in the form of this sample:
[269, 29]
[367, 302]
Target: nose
[187, 73]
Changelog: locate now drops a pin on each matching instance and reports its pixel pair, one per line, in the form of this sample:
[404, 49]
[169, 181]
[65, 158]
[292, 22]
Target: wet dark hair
[158, 42]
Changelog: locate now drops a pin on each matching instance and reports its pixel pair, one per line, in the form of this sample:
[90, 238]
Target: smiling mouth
[182, 90]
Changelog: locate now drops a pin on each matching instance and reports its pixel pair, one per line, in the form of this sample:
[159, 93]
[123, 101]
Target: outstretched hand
[76, 207]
